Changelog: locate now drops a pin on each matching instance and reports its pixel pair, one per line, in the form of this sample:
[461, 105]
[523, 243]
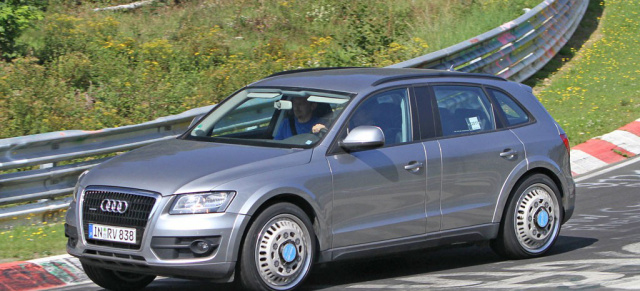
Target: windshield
[272, 117]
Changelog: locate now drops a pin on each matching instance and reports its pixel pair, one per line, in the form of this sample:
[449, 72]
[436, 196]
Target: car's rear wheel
[278, 250]
[532, 221]
[116, 280]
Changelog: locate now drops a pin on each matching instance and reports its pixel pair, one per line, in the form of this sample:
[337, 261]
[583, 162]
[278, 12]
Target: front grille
[136, 216]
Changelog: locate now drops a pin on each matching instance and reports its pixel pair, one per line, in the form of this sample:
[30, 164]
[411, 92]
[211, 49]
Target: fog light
[201, 247]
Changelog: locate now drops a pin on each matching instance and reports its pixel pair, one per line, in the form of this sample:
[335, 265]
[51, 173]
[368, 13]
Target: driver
[304, 121]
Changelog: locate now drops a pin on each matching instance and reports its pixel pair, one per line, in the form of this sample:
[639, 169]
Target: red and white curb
[41, 274]
[610, 148]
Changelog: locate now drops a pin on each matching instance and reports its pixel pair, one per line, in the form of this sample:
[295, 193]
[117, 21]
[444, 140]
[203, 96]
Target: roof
[354, 80]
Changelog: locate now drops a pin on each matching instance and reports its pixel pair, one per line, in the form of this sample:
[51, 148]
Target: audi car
[321, 165]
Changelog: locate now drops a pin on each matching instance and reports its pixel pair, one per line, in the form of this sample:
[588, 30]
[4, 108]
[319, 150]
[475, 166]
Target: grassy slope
[133, 64]
[601, 74]
[594, 92]
[598, 88]
[91, 70]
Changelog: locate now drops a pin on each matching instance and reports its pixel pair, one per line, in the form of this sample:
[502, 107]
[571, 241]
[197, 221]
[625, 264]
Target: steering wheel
[321, 133]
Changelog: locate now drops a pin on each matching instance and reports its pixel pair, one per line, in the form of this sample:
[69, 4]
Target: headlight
[77, 187]
[210, 202]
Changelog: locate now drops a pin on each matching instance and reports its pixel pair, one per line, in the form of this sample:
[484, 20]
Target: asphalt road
[599, 248]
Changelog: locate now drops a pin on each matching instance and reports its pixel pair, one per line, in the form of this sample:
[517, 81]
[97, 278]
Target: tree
[15, 17]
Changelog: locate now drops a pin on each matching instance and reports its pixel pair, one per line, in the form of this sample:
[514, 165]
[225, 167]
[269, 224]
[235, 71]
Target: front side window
[271, 117]
[390, 112]
[463, 110]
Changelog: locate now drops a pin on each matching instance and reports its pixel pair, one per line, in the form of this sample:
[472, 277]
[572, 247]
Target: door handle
[509, 154]
[413, 166]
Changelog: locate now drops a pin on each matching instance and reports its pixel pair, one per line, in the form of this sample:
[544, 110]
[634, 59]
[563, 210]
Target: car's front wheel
[532, 221]
[116, 280]
[278, 250]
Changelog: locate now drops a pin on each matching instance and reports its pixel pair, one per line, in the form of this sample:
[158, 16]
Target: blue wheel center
[289, 253]
[542, 219]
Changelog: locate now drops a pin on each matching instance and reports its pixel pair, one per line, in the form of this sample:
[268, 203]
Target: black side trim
[461, 235]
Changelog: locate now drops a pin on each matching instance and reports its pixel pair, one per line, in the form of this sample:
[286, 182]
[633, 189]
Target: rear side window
[463, 110]
[512, 111]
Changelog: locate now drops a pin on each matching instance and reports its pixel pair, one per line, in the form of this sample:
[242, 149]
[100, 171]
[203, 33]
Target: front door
[379, 194]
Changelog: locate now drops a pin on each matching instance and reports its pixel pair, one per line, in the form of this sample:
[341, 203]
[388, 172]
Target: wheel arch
[504, 202]
[247, 278]
[286, 197]
[294, 199]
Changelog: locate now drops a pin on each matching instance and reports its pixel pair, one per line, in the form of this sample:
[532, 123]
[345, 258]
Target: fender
[525, 167]
[518, 171]
[566, 183]
[310, 186]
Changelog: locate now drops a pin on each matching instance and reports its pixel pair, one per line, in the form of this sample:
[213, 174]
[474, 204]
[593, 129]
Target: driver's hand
[318, 128]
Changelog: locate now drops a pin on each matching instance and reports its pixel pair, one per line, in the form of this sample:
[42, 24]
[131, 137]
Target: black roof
[357, 79]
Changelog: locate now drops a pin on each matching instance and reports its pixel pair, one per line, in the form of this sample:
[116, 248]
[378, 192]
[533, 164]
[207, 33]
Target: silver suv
[320, 165]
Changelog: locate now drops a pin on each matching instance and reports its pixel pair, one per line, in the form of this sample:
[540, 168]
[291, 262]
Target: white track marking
[582, 162]
[623, 139]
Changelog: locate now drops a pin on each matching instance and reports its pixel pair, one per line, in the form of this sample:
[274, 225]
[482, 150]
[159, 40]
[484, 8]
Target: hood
[179, 166]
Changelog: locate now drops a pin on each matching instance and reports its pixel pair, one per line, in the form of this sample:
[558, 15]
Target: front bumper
[164, 248]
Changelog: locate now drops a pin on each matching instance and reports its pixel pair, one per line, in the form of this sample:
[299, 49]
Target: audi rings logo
[114, 206]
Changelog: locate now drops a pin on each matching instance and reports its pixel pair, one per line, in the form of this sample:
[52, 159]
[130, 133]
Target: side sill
[455, 236]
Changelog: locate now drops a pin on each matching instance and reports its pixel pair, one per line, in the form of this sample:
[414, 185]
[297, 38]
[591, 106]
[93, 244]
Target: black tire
[531, 223]
[116, 280]
[284, 235]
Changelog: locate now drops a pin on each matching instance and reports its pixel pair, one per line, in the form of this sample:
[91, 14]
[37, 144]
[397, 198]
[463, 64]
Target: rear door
[477, 157]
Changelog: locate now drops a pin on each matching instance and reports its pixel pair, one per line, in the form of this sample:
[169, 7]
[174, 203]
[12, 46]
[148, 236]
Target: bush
[90, 70]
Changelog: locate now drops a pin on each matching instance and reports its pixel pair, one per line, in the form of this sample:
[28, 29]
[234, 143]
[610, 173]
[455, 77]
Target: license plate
[112, 233]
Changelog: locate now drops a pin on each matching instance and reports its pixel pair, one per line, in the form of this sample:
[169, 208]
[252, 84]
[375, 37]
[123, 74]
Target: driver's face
[302, 109]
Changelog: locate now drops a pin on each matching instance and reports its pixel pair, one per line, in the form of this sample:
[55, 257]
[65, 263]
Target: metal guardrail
[515, 50]
[52, 150]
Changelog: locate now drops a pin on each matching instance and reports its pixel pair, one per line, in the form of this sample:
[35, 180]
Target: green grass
[32, 242]
[85, 70]
[51, 87]
[81, 69]
[598, 89]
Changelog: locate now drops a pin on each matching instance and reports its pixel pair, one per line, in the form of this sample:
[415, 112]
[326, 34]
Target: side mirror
[363, 138]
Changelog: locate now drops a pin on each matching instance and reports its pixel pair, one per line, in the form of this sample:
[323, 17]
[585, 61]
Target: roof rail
[435, 74]
[310, 70]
